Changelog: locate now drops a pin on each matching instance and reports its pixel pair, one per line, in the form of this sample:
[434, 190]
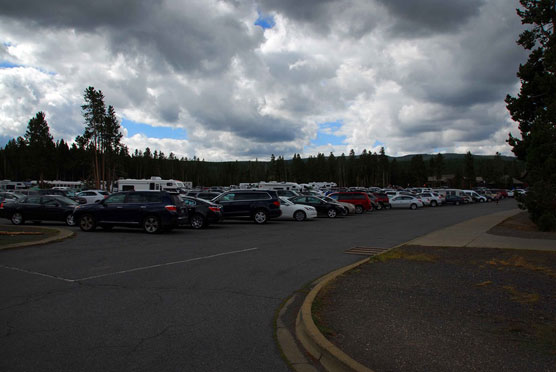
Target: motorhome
[8, 185]
[154, 183]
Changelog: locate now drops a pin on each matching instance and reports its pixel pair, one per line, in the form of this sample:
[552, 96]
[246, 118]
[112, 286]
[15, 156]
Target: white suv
[93, 196]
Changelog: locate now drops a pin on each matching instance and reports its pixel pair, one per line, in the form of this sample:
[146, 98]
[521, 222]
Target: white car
[430, 199]
[298, 212]
[93, 196]
[405, 201]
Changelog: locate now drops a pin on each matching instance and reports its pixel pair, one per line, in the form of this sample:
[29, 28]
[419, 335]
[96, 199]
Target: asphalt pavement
[190, 300]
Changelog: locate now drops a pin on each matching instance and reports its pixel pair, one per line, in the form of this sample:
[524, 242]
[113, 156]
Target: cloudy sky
[242, 79]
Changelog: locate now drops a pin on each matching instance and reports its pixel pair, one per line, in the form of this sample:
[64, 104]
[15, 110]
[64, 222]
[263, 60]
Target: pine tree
[534, 109]
[40, 145]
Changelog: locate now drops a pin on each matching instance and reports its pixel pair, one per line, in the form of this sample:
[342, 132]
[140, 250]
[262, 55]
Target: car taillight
[276, 203]
[171, 208]
[215, 209]
[2, 205]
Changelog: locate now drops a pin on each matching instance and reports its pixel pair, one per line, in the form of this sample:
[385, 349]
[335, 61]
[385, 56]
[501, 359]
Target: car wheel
[413, 206]
[332, 213]
[70, 221]
[358, 209]
[260, 217]
[434, 203]
[87, 223]
[378, 207]
[197, 221]
[456, 203]
[299, 216]
[17, 218]
[345, 212]
[151, 225]
[481, 201]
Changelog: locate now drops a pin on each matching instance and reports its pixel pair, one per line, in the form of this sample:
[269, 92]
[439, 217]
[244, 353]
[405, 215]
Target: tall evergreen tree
[534, 109]
[40, 145]
[469, 170]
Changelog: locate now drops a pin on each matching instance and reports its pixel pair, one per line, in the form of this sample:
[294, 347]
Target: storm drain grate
[366, 251]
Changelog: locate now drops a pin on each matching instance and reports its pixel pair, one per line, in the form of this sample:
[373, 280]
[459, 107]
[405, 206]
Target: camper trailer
[154, 184]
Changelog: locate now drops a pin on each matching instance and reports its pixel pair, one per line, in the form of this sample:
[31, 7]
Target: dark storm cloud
[186, 38]
[430, 16]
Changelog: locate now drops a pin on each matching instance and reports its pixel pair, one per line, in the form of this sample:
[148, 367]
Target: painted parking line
[129, 270]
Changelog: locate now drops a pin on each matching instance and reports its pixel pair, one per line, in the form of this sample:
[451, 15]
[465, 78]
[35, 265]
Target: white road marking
[130, 270]
[37, 273]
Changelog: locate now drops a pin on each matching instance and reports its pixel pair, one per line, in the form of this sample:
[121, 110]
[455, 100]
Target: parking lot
[198, 300]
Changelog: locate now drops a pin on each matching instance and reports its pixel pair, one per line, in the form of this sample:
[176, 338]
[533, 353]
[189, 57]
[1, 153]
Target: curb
[62, 235]
[328, 355]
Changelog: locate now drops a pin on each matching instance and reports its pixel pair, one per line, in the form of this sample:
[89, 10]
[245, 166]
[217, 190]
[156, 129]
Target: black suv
[260, 205]
[153, 211]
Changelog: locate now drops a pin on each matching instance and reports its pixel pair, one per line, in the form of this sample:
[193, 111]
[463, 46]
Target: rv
[154, 183]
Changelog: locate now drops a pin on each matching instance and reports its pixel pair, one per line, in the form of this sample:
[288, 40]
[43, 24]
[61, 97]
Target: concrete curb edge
[62, 235]
[314, 342]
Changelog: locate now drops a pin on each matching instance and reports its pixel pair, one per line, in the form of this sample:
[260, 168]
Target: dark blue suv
[259, 205]
[154, 211]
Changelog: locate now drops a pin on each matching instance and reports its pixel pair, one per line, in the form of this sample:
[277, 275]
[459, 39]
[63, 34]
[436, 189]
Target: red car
[359, 199]
[382, 200]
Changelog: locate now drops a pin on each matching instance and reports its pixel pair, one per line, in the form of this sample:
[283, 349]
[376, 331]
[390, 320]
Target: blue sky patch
[326, 134]
[6, 64]
[265, 21]
[134, 128]
[378, 143]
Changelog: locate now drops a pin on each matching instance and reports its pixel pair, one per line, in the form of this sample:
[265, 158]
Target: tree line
[99, 155]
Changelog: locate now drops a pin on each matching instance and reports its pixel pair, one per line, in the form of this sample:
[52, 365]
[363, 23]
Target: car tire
[197, 221]
[481, 201]
[70, 221]
[345, 211]
[87, 223]
[413, 206]
[299, 216]
[359, 209]
[378, 207]
[434, 203]
[332, 213]
[456, 203]
[151, 225]
[17, 218]
[260, 217]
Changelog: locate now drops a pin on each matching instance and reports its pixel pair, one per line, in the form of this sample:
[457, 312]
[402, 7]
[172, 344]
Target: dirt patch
[23, 234]
[521, 226]
[441, 309]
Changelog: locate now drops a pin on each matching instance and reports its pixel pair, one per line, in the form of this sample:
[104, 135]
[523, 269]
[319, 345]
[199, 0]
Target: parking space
[185, 300]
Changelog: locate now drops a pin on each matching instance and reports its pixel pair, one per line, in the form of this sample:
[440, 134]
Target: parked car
[405, 201]
[382, 200]
[9, 196]
[259, 205]
[431, 199]
[207, 195]
[348, 207]
[287, 193]
[93, 196]
[154, 211]
[454, 199]
[39, 208]
[323, 207]
[297, 212]
[201, 212]
[361, 200]
[475, 196]
[67, 193]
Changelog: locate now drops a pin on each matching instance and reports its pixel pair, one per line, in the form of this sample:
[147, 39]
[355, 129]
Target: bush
[547, 222]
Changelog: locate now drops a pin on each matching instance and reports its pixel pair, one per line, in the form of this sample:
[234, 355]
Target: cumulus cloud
[423, 76]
